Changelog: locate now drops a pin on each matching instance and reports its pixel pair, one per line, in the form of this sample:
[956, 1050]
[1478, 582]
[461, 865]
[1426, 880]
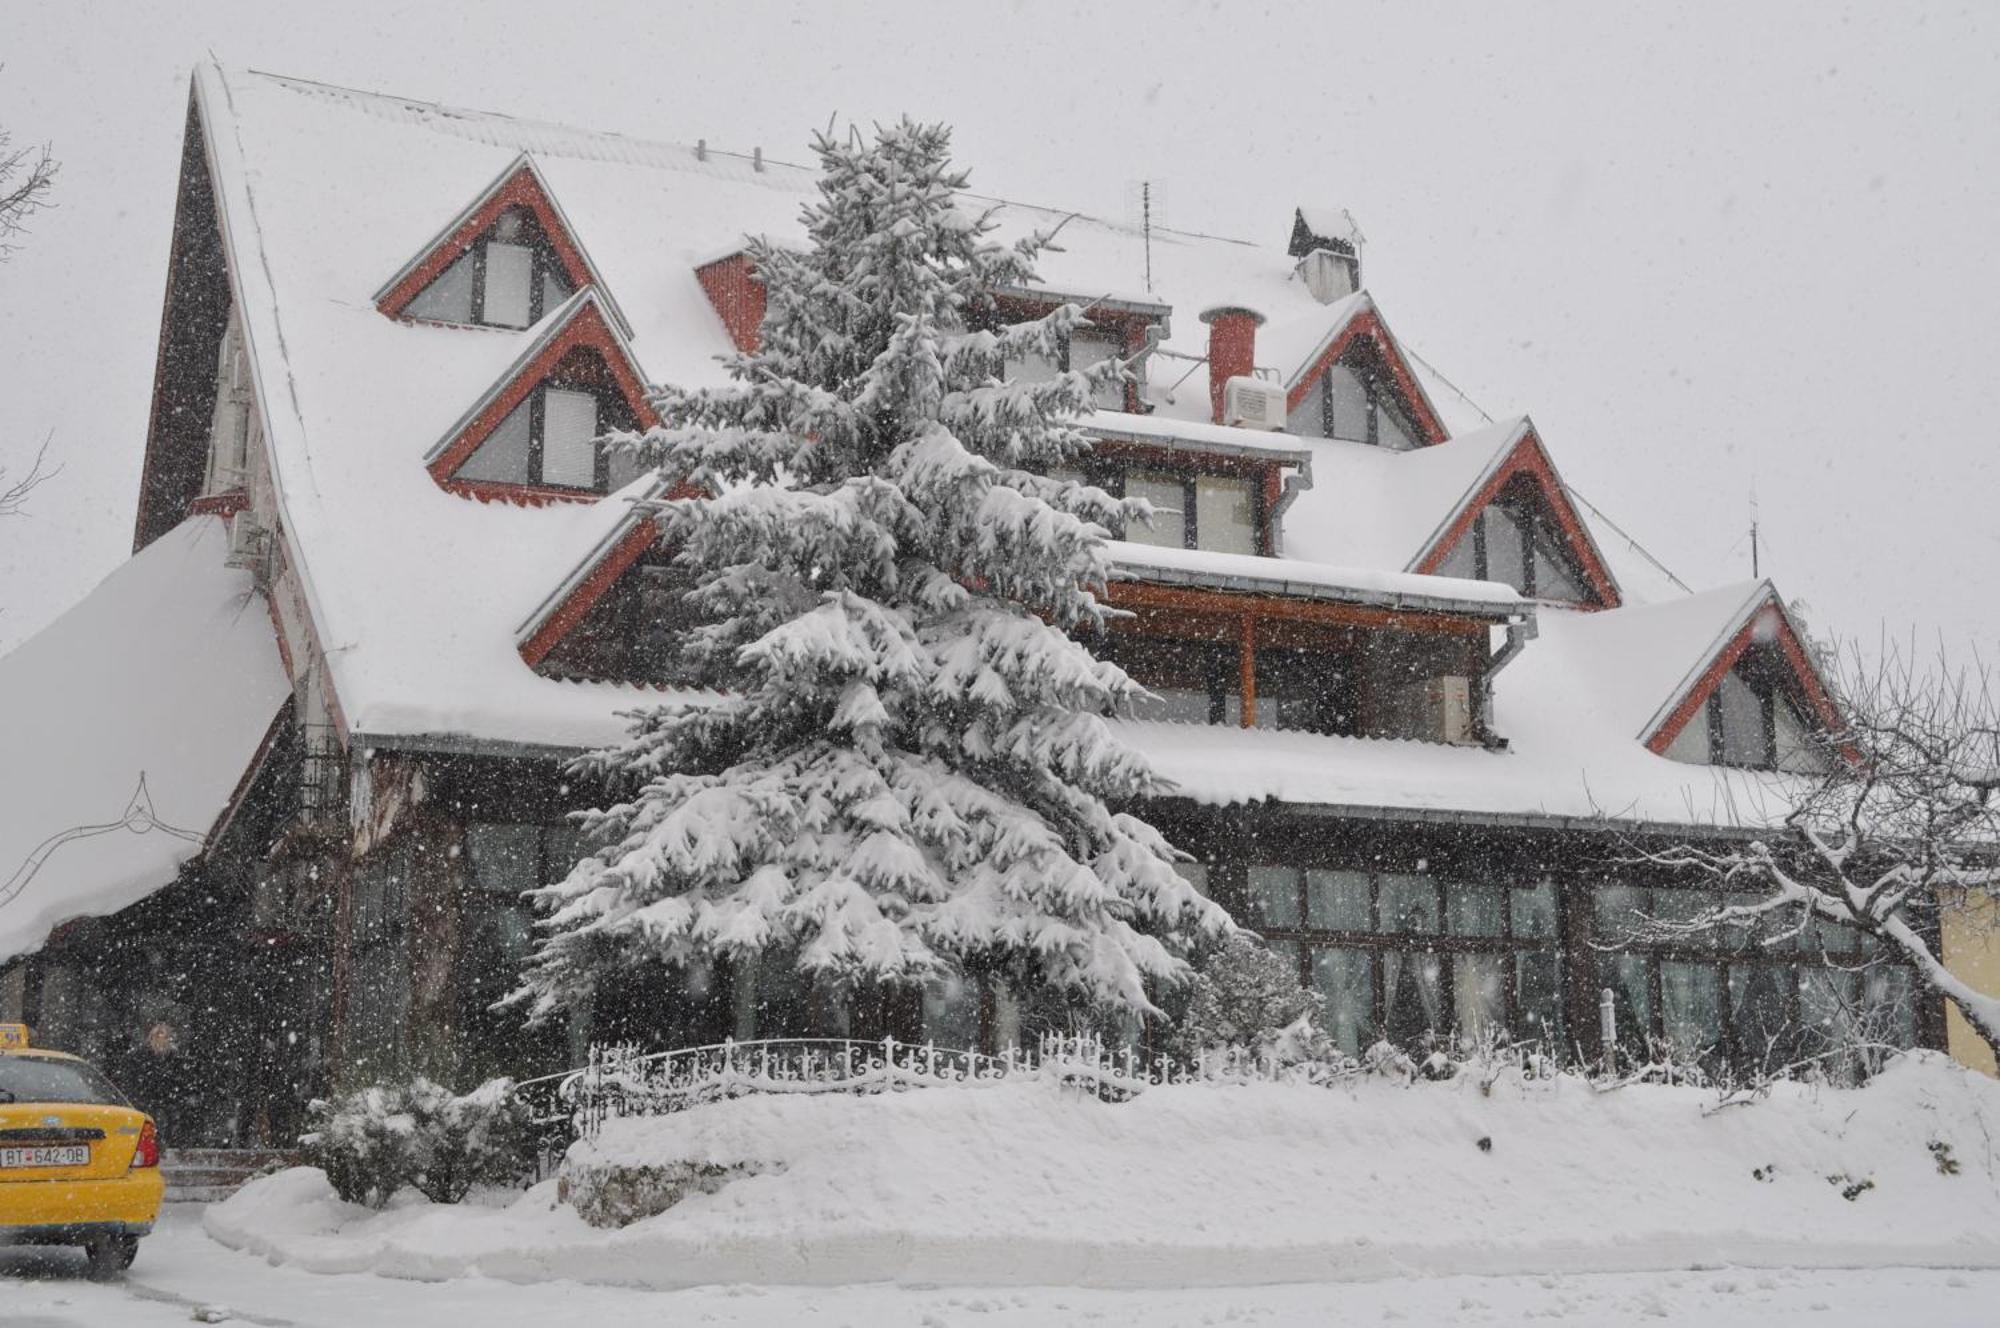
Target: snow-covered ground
[1031, 1183]
[181, 1271]
[1025, 1204]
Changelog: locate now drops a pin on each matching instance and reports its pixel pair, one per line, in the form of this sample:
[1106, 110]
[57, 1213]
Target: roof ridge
[554, 138]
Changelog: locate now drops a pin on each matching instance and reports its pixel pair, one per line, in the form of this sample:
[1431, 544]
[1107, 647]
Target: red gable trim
[645, 533]
[1530, 458]
[587, 328]
[521, 188]
[1804, 673]
[1368, 323]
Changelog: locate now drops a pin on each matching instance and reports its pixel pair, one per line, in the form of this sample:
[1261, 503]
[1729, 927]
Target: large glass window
[1167, 493]
[1225, 514]
[550, 439]
[1083, 350]
[1753, 720]
[1413, 957]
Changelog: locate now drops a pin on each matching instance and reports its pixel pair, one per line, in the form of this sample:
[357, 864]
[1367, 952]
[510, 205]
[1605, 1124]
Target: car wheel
[110, 1255]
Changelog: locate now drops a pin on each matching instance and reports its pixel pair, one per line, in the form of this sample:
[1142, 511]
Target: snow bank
[1027, 1184]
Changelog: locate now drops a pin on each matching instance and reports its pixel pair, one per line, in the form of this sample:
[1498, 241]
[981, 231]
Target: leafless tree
[14, 493]
[1899, 826]
[26, 177]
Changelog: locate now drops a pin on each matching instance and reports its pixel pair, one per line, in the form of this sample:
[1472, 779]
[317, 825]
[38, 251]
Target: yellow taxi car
[79, 1165]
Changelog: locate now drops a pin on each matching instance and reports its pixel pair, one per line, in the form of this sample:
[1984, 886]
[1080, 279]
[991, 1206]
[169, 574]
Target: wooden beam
[1247, 662]
[1139, 595]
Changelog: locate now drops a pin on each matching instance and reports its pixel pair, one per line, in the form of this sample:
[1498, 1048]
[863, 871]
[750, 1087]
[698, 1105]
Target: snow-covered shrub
[375, 1140]
[1246, 998]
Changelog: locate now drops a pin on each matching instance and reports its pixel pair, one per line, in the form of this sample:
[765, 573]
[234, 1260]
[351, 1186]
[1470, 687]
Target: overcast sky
[1727, 251]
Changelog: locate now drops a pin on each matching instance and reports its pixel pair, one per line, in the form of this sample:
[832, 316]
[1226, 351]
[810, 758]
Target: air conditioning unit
[1253, 403]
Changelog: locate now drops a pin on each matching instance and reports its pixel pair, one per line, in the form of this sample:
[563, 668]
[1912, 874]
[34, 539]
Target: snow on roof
[1313, 580]
[168, 670]
[1373, 507]
[418, 595]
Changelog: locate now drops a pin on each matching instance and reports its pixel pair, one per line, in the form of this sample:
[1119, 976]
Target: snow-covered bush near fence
[376, 1140]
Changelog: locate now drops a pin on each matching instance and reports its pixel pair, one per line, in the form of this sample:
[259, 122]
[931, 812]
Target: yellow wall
[1972, 952]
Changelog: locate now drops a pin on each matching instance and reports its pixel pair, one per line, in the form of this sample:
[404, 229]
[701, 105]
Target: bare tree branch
[14, 494]
[1898, 826]
[26, 177]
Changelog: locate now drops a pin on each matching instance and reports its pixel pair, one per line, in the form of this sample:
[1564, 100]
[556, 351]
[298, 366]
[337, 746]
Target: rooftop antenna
[1756, 573]
[1143, 198]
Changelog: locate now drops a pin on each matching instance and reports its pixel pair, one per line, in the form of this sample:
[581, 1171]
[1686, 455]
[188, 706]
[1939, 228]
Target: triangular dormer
[1518, 526]
[534, 435]
[1756, 702]
[1358, 386]
[508, 259]
[615, 617]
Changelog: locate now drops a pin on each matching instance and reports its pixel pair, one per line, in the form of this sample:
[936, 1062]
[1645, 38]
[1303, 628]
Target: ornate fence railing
[623, 1081]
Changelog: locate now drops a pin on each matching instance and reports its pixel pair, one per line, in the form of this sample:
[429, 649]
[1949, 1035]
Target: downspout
[1296, 483]
[1519, 632]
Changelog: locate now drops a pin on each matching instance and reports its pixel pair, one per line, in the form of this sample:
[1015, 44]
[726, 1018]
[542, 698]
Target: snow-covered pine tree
[909, 771]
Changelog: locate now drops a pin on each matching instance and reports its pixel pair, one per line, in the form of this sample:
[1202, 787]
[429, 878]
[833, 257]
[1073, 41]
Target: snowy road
[180, 1272]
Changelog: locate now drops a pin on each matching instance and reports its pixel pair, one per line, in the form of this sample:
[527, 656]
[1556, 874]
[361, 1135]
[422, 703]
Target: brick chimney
[732, 286]
[1232, 349]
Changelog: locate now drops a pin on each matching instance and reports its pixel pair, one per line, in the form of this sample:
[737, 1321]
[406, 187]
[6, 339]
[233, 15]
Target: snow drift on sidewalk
[1029, 1184]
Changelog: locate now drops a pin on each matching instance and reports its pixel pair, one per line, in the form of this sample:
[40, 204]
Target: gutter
[1511, 614]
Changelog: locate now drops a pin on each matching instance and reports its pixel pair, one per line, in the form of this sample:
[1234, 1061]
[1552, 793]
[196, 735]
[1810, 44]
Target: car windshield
[46, 1079]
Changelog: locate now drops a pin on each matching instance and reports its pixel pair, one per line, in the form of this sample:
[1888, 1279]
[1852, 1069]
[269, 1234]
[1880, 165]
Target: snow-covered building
[1417, 698]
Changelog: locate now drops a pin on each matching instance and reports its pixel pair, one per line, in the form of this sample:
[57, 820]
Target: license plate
[46, 1155]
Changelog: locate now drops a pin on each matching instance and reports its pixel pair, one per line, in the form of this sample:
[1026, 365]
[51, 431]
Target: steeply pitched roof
[167, 671]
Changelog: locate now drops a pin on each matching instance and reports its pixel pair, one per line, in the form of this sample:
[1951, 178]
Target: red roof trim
[1368, 323]
[228, 503]
[644, 534]
[586, 328]
[521, 189]
[1804, 673]
[1530, 458]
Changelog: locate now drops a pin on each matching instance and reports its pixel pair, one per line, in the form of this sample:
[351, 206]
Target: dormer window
[1752, 720]
[550, 439]
[508, 277]
[1517, 542]
[1353, 401]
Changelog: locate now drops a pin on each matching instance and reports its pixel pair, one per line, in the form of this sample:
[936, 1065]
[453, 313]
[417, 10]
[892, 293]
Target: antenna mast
[1146, 224]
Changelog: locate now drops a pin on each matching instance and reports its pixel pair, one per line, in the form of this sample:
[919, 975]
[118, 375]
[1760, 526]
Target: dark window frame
[1530, 512]
[544, 260]
[1767, 677]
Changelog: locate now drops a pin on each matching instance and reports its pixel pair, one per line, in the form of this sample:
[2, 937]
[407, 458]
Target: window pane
[1797, 749]
[1619, 909]
[1409, 903]
[1627, 975]
[1892, 1011]
[1691, 743]
[1834, 937]
[1351, 406]
[448, 298]
[1391, 429]
[1506, 547]
[1475, 910]
[1742, 715]
[505, 858]
[1169, 499]
[1179, 673]
[1535, 910]
[1031, 368]
[1684, 907]
[569, 438]
[1338, 901]
[1088, 352]
[1760, 1014]
[1304, 691]
[503, 457]
[1413, 995]
[1553, 577]
[1174, 705]
[1691, 1004]
[1345, 980]
[1538, 995]
[1308, 418]
[1463, 560]
[555, 287]
[951, 1012]
[1479, 993]
[1195, 874]
[1274, 896]
[509, 270]
[1225, 514]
